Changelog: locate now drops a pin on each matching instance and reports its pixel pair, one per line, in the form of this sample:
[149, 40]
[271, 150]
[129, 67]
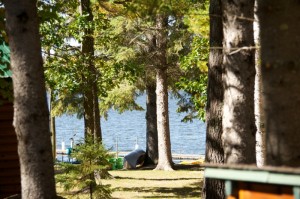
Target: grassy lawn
[128, 184]
[185, 182]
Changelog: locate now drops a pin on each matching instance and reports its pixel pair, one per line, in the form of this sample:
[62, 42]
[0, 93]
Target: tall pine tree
[214, 153]
[239, 72]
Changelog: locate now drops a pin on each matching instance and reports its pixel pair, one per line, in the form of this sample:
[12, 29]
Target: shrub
[84, 177]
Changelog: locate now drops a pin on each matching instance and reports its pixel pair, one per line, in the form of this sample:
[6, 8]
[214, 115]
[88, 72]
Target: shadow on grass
[195, 167]
[190, 191]
[153, 179]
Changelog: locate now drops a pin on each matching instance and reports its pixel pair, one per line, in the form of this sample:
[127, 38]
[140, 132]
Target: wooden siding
[250, 190]
[10, 182]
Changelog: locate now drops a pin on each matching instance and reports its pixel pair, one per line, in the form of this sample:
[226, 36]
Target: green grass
[155, 184]
[133, 184]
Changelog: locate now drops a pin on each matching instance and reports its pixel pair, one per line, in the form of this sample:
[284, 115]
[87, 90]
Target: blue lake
[130, 127]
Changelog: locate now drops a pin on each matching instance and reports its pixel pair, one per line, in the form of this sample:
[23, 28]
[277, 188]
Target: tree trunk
[258, 105]
[214, 153]
[97, 118]
[31, 115]
[151, 135]
[238, 112]
[52, 126]
[163, 128]
[88, 106]
[279, 26]
[53, 136]
[91, 106]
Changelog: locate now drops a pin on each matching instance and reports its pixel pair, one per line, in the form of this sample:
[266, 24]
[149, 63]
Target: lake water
[130, 127]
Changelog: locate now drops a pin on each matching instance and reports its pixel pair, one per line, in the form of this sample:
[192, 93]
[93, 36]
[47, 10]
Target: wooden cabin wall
[10, 182]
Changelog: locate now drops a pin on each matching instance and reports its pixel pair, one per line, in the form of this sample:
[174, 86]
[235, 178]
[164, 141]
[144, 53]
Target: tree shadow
[193, 167]
[189, 191]
[153, 179]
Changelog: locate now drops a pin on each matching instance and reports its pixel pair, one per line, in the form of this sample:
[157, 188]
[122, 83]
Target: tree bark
[52, 125]
[31, 115]
[88, 110]
[279, 26]
[97, 118]
[214, 153]
[258, 93]
[238, 112]
[163, 128]
[90, 94]
[151, 134]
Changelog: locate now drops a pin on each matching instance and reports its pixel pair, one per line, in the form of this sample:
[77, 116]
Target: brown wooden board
[10, 180]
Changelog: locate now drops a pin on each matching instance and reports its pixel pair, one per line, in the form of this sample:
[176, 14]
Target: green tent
[4, 59]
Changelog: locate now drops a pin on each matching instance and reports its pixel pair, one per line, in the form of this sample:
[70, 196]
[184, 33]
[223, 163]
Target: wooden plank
[6, 124]
[6, 128]
[11, 132]
[8, 135]
[247, 167]
[9, 156]
[9, 165]
[231, 197]
[260, 187]
[12, 180]
[6, 148]
[247, 194]
[249, 190]
[255, 176]
[6, 112]
[8, 140]
[8, 190]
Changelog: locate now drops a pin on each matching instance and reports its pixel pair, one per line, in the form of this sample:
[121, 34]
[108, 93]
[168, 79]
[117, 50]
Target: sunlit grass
[131, 184]
[156, 184]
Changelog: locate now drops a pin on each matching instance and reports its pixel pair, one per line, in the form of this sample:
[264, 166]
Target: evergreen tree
[90, 93]
[85, 176]
[280, 61]
[239, 72]
[214, 153]
[74, 74]
[139, 37]
[162, 111]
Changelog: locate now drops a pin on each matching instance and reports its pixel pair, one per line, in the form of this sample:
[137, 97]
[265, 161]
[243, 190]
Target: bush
[84, 177]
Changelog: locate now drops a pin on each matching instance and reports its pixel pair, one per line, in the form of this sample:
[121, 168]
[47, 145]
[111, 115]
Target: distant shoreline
[175, 156]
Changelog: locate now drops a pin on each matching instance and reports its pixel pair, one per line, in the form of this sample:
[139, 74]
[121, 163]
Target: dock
[175, 156]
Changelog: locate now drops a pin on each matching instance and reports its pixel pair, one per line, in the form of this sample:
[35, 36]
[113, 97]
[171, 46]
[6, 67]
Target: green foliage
[69, 104]
[194, 65]
[148, 9]
[125, 52]
[84, 177]
[6, 86]
[2, 24]
[193, 101]
[121, 98]
[197, 19]
[135, 32]
[4, 58]
[62, 61]
[66, 67]
[187, 45]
